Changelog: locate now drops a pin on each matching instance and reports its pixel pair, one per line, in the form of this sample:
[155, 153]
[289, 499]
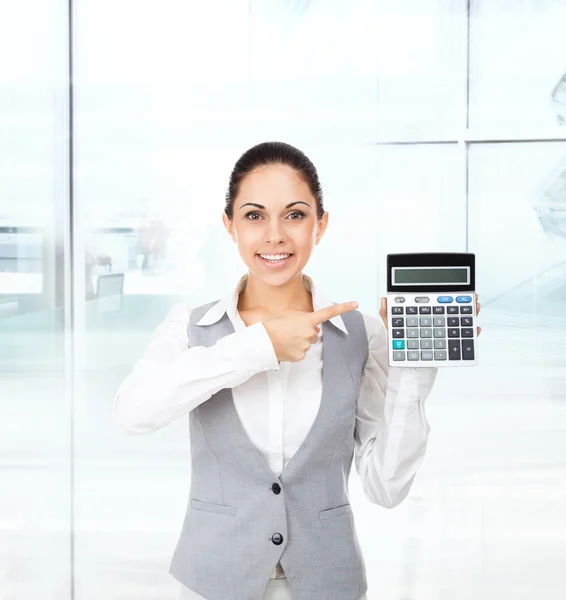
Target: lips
[275, 264]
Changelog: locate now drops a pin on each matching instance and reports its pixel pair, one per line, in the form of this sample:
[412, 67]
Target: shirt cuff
[258, 349]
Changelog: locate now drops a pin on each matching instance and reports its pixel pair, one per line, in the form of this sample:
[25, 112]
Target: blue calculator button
[398, 344]
[445, 299]
[463, 298]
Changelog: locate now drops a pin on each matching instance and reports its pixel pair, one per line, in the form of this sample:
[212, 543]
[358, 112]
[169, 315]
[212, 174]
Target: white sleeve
[392, 430]
[172, 379]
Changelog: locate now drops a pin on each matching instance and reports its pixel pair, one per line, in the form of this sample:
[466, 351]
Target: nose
[275, 233]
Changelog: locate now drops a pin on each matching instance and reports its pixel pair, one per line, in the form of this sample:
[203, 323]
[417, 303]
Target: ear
[322, 225]
[229, 225]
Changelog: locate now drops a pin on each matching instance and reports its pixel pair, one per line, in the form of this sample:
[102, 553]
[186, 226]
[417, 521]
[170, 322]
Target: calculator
[431, 310]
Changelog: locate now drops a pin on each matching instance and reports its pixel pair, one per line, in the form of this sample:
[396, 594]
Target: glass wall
[435, 126]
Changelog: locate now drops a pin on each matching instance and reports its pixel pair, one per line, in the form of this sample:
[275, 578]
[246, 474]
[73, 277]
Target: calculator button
[413, 333]
[454, 349]
[453, 333]
[412, 322]
[438, 310]
[439, 332]
[467, 332]
[398, 344]
[398, 333]
[426, 355]
[398, 356]
[467, 321]
[445, 299]
[412, 310]
[453, 321]
[439, 321]
[426, 333]
[468, 349]
[440, 344]
[413, 344]
[440, 355]
[422, 299]
[426, 344]
[466, 310]
[426, 321]
[398, 322]
[396, 310]
[400, 299]
[425, 310]
[463, 299]
[414, 355]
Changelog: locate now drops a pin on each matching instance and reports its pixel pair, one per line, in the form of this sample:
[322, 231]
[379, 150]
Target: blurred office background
[436, 125]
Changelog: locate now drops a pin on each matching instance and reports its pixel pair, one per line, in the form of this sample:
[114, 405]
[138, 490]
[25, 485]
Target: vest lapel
[335, 372]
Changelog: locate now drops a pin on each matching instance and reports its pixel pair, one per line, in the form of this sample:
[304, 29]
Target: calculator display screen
[431, 275]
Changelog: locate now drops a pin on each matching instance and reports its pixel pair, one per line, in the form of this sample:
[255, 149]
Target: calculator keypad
[432, 333]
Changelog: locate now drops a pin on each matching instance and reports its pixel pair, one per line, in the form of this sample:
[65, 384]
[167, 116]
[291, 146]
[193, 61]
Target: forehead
[274, 184]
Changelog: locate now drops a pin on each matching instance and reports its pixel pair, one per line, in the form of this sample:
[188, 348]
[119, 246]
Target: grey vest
[242, 519]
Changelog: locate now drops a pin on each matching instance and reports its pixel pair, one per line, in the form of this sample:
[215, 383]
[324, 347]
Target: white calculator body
[431, 310]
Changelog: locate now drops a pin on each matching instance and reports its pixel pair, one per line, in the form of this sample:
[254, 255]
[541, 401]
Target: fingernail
[355, 304]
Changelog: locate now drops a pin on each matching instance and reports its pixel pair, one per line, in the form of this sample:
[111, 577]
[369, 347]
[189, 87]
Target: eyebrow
[288, 205]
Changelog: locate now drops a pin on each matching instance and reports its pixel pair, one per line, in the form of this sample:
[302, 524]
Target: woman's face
[275, 224]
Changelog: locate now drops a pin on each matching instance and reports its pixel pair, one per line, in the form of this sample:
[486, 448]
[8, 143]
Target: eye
[253, 212]
[297, 212]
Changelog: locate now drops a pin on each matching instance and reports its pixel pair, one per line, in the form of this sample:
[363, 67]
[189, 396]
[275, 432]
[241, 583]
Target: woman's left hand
[383, 311]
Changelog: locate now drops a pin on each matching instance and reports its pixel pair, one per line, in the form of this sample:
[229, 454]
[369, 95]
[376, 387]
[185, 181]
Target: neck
[275, 300]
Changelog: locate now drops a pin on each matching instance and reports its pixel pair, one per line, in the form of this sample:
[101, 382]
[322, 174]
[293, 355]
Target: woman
[272, 433]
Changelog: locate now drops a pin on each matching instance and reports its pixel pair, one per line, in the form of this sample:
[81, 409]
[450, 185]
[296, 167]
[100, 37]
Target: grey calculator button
[426, 333]
[440, 355]
[397, 322]
[439, 321]
[466, 310]
[414, 355]
[412, 333]
[438, 310]
[455, 350]
[453, 321]
[412, 322]
[426, 355]
[425, 310]
[398, 333]
[453, 310]
[467, 321]
[426, 321]
[440, 344]
[426, 344]
[468, 349]
[412, 310]
[400, 299]
[440, 333]
[397, 310]
[467, 332]
[422, 299]
[398, 355]
[453, 333]
[413, 344]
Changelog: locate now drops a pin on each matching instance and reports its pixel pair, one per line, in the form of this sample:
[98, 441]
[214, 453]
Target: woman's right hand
[292, 335]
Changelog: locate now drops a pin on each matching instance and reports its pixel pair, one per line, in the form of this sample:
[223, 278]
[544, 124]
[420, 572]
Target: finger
[479, 331]
[478, 308]
[324, 314]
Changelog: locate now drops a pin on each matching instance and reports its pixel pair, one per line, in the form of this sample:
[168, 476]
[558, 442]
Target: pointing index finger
[325, 314]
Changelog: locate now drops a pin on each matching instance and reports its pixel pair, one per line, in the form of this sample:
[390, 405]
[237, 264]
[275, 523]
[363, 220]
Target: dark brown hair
[273, 153]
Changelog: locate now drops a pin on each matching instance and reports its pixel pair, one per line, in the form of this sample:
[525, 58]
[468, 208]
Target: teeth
[274, 257]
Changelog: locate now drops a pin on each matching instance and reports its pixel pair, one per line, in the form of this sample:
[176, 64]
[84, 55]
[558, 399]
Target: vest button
[277, 539]
[276, 488]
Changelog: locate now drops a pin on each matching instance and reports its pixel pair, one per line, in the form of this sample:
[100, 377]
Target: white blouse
[277, 402]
